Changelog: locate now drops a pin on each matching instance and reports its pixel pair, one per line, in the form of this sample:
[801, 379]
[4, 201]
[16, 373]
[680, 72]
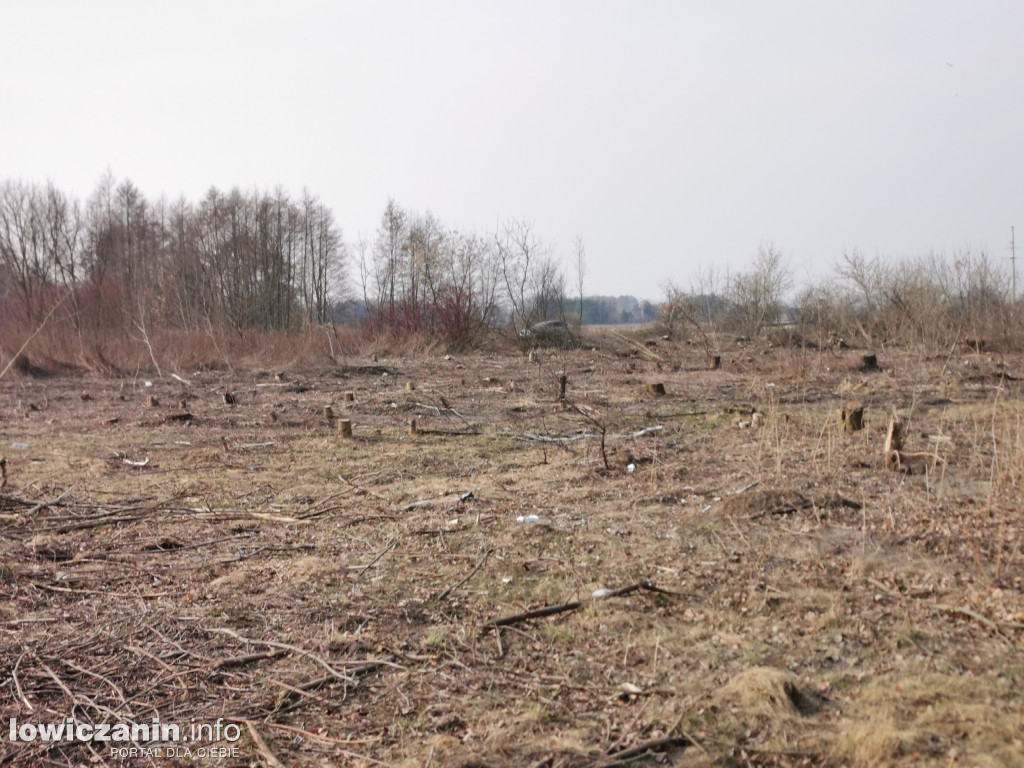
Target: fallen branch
[249, 658]
[285, 646]
[551, 610]
[587, 435]
[444, 595]
[546, 439]
[640, 432]
[44, 504]
[390, 546]
[361, 489]
[985, 622]
[261, 745]
[260, 550]
[655, 745]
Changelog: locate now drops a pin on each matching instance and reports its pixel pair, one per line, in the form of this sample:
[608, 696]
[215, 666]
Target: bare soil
[735, 581]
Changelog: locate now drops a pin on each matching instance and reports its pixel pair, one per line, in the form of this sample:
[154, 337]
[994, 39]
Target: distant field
[777, 596]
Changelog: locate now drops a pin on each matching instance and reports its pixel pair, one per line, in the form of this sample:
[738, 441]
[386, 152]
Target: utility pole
[1013, 269]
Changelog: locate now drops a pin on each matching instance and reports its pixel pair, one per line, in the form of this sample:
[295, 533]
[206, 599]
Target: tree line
[262, 260]
[119, 262]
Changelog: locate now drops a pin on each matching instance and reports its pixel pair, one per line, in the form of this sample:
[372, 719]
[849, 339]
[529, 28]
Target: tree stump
[328, 414]
[345, 428]
[563, 382]
[852, 416]
[413, 429]
[410, 386]
[894, 442]
[869, 362]
[656, 388]
[349, 397]
[716, 362]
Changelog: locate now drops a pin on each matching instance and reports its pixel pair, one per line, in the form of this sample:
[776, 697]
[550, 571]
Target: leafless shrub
[756, 296]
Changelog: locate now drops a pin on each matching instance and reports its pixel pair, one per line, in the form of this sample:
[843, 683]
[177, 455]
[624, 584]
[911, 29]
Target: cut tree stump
[656, 388]
[852, 416]
[345, 428]
[894, 442]
[869, 362]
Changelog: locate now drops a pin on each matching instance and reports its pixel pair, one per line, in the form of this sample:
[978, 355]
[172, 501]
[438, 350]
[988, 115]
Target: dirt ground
[735, 580]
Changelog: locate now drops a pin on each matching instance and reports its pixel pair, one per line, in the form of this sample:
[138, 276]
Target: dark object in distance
[550, 332]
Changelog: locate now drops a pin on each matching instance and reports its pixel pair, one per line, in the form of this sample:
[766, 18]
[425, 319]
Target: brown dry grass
[825, 611]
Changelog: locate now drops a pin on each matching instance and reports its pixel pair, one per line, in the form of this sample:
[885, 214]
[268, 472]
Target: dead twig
[985, 622]
[444, 595]
[44, 504]
[285, 646]
[17, 685]
[654, 745]
[552, 610]
[390, 546]
[261, 745]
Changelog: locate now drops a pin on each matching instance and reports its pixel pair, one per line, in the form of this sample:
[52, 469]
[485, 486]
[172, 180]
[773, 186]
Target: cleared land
[783, 599]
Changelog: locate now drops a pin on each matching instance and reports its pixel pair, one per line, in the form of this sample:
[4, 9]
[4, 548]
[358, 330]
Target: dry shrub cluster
[931, 303]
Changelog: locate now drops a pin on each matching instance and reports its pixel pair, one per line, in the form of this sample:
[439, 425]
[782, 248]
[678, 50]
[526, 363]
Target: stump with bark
[852, 416]
[894, 442]
[656, 388]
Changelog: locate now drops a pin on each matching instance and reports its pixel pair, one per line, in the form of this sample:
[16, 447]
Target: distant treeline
[269, 260]
[239, 260]
[118, 265]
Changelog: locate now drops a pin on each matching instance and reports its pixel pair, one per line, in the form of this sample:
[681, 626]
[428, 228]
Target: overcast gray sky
[669, 135]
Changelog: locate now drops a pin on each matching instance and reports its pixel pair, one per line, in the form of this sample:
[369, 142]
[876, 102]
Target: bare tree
[387, 254]
[757, 295]
[518, 250]
[22, 251]
[581, 270]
